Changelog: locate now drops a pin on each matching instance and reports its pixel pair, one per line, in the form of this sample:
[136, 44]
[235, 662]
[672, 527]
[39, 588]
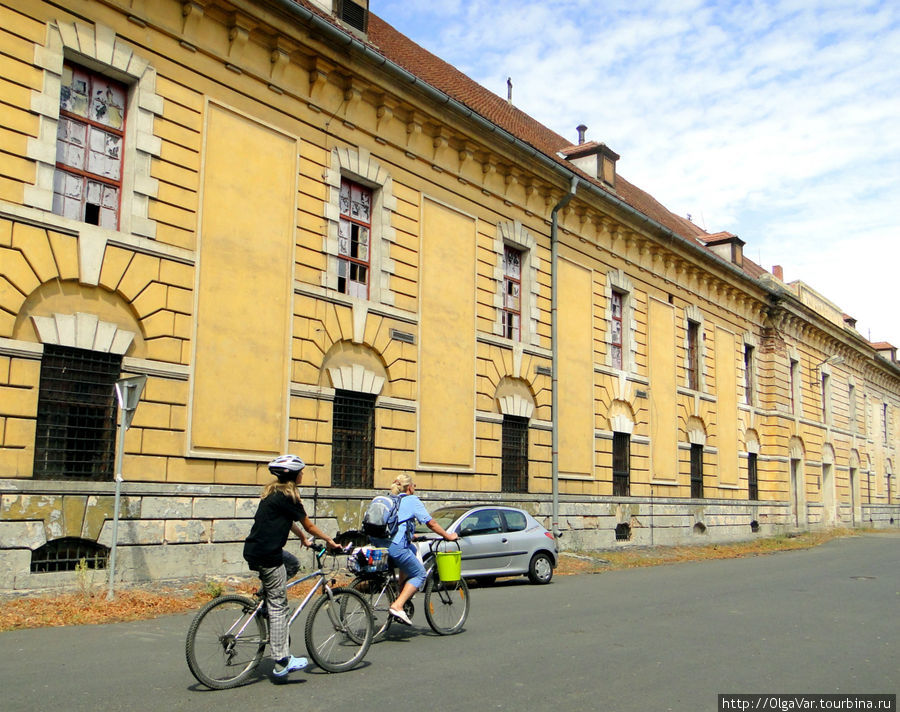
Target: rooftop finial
[509, 89]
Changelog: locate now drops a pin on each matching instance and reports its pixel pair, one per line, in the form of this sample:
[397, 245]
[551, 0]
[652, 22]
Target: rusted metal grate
[76, 416]
[621, 464]
[514, 468]
[65, 554]
[353, 440]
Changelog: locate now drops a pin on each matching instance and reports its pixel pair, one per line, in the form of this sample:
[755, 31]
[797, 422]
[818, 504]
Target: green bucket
[449, 565]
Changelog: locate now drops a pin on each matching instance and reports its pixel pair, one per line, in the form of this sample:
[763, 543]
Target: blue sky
[776, 120]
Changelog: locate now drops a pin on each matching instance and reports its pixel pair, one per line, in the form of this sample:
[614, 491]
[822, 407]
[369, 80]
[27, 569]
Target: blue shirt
[410, 511]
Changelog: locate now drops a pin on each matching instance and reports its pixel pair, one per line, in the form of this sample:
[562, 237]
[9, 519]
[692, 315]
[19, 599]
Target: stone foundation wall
[194, 531]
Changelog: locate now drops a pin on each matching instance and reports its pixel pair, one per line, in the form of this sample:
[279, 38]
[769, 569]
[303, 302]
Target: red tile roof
[401, 50]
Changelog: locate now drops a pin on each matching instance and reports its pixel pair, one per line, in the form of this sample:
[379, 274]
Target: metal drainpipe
[554, 407]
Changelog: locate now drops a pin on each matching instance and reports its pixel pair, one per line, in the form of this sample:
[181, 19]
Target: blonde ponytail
[401, 483]
[289, 489]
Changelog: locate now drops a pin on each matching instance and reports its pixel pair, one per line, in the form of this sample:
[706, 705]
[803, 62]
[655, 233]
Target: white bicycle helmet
[286, 467]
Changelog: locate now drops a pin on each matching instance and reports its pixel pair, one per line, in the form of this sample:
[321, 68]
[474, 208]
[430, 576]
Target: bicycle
[228, 636]
[446, 603]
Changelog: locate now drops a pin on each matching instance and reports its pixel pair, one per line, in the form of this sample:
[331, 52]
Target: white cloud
[778, 120]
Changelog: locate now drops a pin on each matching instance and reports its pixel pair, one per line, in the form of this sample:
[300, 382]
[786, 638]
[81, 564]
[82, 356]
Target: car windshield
[445, 517]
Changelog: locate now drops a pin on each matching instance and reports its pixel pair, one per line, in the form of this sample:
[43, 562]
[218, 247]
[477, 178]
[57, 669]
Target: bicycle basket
[368, 560]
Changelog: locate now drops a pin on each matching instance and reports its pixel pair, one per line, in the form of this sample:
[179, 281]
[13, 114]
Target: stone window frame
[358, 166]
[98, 49]
[618, 281]
[515, 235]
[826, 388]
[751, 380]
[795, 383]
[692, 314]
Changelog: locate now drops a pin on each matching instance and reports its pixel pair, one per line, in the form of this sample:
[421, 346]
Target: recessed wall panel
[576, 370]
[244, 295]
[663, 422]
[446, 433]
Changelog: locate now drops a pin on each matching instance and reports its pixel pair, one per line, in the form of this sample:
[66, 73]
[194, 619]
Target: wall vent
[356, 15]
[403, 336]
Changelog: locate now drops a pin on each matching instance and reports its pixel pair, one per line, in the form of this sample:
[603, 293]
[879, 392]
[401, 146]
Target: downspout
[554, 351]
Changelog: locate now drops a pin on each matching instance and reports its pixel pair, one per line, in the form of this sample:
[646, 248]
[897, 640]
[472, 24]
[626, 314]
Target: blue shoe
[289, 664]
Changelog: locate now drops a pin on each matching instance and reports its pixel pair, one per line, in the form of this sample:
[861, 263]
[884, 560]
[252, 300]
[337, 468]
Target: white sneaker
[400, 616]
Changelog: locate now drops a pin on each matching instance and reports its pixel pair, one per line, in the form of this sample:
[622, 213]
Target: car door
[484, 544]
[519, 541]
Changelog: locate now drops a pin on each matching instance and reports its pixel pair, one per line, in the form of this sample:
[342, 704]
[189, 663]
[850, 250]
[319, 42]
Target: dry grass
[91, 606]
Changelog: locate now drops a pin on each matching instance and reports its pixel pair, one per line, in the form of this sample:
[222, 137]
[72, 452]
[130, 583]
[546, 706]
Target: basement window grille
[66, 553]
[514, 468]
[353, 440]
[76, 414]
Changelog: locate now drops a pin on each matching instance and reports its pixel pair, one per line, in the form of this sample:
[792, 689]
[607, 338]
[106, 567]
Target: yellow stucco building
[312, 236]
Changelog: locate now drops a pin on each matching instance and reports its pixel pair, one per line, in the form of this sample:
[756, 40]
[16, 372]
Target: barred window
[752, 477]
[514, 468]
[353, 440]
[87, 184]
[621, 464]
[696, 470]
[66, 553]
[76, 415]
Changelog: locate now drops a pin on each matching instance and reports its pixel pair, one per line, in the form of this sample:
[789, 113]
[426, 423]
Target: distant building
[313, 236]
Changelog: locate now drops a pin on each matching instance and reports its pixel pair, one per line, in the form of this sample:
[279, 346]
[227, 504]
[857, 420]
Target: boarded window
[76, 414]
[87, 185]
[354, 240]
[621, 464]
[353, 440]
[693, 355]
[514, 467]
[512, 293]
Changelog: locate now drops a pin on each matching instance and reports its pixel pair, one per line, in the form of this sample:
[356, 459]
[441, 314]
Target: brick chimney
[778, 272]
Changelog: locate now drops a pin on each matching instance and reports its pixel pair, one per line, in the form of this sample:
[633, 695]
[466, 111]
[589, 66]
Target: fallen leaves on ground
[79, 608]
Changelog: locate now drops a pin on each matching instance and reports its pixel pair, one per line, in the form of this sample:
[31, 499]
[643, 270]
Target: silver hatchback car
[498, 541]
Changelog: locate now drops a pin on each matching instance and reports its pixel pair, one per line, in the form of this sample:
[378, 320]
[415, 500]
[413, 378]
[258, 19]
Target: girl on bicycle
[276, 516]
[402, 551]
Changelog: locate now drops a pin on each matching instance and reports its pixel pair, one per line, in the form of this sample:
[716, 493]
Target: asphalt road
[671, 637]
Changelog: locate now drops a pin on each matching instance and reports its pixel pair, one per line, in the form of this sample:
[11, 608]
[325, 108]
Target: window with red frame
[693, 355]
[354, 240]
[615, 330]
[87, 185]
[512, 293]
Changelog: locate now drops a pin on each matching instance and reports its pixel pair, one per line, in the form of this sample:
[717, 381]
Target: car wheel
[540, 570]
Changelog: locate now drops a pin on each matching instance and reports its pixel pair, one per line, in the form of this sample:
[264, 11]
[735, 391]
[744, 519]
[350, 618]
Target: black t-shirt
[271, 527]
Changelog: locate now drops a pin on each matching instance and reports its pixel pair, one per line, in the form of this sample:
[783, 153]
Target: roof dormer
[727, 246]
[351, 14]
[596, 159]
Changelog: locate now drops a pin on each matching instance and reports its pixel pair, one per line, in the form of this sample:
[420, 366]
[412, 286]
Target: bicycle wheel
[339, 629]
[225, 642]
[380, 592]
[446, 604]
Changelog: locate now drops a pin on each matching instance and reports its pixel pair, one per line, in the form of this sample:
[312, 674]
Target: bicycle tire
[339, 630]
[225, 642]
[380, 592]
[446, 605]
